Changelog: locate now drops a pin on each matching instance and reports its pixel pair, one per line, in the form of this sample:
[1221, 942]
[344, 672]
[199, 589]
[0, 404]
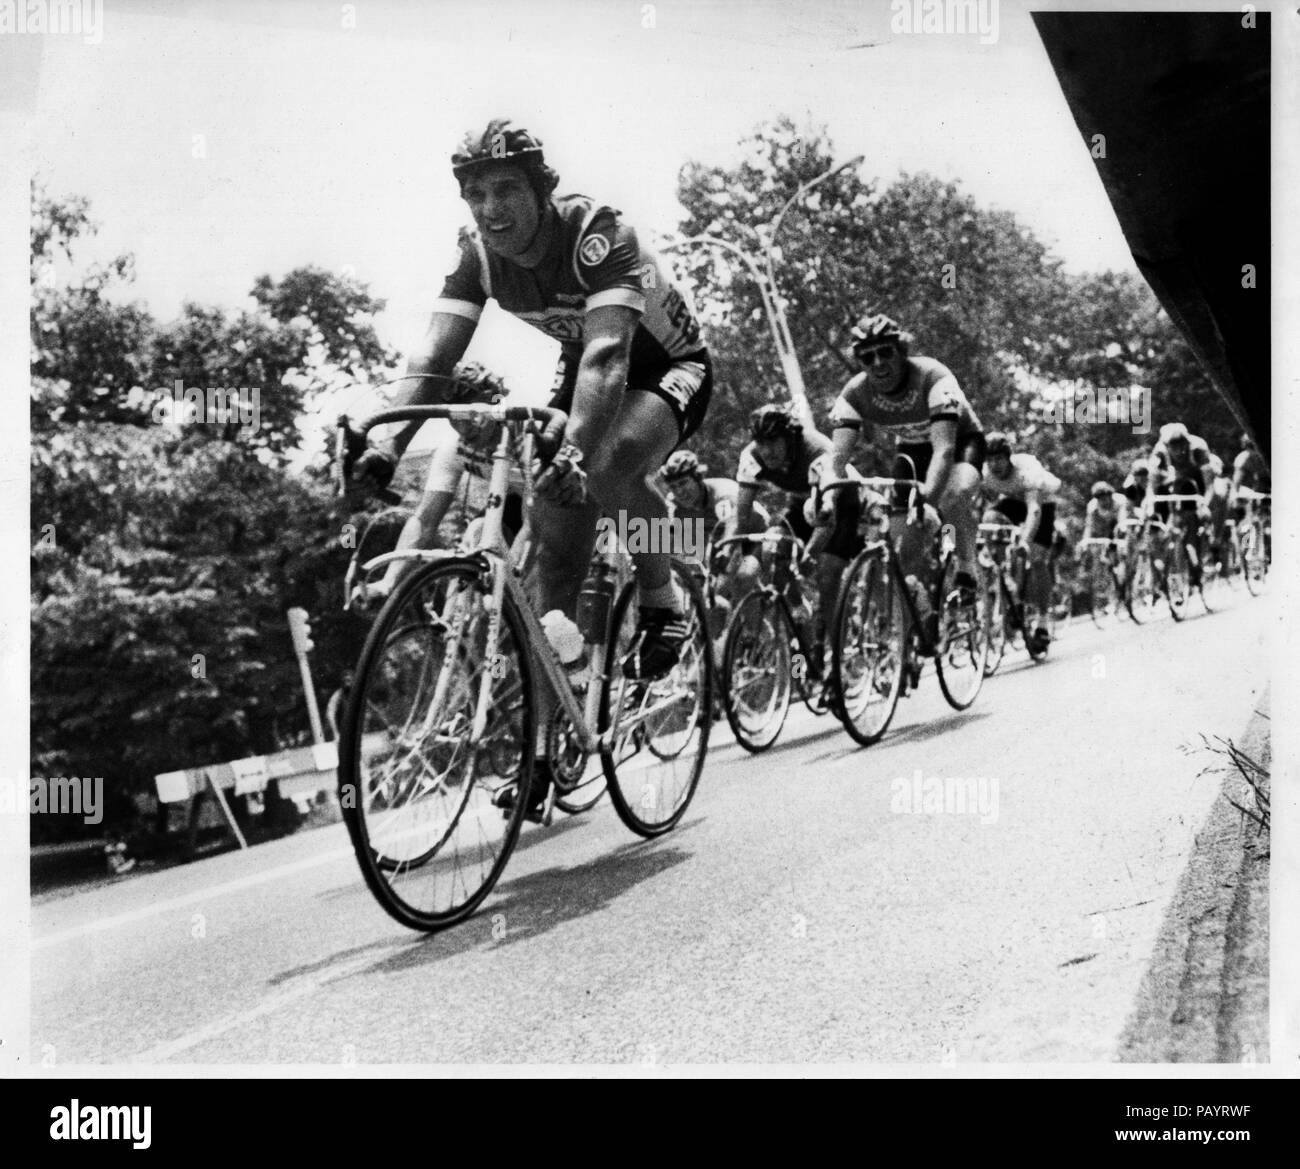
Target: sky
[220, 141]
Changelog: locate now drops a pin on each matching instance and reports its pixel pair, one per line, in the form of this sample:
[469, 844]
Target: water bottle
[566, 640]
[594, 601]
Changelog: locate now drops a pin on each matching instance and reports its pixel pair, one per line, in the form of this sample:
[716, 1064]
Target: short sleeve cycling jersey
[1163, 471]
[1254, 470]
[929, 393]
[1101, 523]
[1133, 491]
[1026, 475]
[589, 258]
[808, 458]
[719, 502]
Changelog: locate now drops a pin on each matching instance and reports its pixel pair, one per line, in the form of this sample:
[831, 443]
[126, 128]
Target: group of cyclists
[634, 380]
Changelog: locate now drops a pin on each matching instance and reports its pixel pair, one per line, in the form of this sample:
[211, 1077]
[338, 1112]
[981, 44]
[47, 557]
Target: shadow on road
[916, 732]
[528, 906]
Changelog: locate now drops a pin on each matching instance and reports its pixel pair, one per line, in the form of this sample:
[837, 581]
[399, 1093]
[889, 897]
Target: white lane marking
[99, 925]
[303, 988]
[160, 907]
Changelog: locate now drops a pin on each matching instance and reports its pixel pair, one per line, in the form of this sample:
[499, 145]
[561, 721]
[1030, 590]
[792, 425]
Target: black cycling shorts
[845, 540]
[1016, 511]
[1186, 484]
[686, 385]
[971, 449]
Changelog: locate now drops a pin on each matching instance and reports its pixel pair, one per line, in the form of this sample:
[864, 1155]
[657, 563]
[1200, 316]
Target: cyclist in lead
[637, 375]
[916, 400]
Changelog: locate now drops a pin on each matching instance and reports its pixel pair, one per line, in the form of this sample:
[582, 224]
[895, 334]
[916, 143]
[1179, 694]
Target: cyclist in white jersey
[1026, 495]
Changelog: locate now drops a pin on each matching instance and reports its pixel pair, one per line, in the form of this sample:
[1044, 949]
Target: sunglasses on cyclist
[868, 356]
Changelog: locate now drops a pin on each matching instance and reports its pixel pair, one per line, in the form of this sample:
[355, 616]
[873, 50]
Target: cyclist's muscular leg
[957, 506]
[643, 433]
[564, 540]
[1038, 580]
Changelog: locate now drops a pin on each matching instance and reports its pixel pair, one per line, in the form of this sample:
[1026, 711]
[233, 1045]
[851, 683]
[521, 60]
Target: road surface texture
[808, 908]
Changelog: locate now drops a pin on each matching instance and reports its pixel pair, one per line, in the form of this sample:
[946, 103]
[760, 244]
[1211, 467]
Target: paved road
[803, 911]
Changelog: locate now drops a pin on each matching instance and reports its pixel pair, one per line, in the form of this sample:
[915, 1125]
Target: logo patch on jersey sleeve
[593, 249]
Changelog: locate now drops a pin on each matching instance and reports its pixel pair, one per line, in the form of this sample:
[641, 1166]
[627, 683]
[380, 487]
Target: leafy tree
[166, 556]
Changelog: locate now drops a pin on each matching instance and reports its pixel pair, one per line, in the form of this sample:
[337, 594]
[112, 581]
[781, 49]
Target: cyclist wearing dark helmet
[635, 375]
[918, 402]
[786, 452]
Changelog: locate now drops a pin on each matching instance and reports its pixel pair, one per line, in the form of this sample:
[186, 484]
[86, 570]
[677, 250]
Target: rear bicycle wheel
[415, 783]
[757, 671]
[655, 734]
[963, 643]
[868, 647]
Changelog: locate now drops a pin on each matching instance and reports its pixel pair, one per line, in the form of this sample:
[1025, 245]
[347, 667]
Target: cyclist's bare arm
[943, 442]
[1033, 512]
[741, 518]
[602, 374]
[444, 344]
[844, 439]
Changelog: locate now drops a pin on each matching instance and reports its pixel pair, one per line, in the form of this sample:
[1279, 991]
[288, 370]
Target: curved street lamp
[765, 279]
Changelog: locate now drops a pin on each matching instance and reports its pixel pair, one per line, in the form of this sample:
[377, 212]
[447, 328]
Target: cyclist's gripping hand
[564, 482]
[374, 468]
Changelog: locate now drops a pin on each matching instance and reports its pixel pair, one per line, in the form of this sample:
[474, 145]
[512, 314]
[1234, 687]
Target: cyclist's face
[772, 453]
[687, 491]
[1000, 466]
[504, 207]
[883, 363]
[1180, 450]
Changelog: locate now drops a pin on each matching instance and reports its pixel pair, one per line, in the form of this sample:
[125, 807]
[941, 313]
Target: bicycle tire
[380, 870]
[867, 577]
[695, 722]
[764, 611]
[973, 639]
[996, 618]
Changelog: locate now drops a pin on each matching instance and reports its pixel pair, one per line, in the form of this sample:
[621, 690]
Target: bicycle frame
[495, 558]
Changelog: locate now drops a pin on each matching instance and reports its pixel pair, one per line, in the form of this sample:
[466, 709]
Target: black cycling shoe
[660, 634]
[505, 798]
[1042, 639]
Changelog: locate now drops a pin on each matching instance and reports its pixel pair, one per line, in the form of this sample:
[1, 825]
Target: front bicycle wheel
[438, 719]
[655, 734]
[1140, 590]
[1254, 559]
[996, 619]
[1177, 580]
[868, 647]
[1103, 594]
[963, 646]
[757, 671]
